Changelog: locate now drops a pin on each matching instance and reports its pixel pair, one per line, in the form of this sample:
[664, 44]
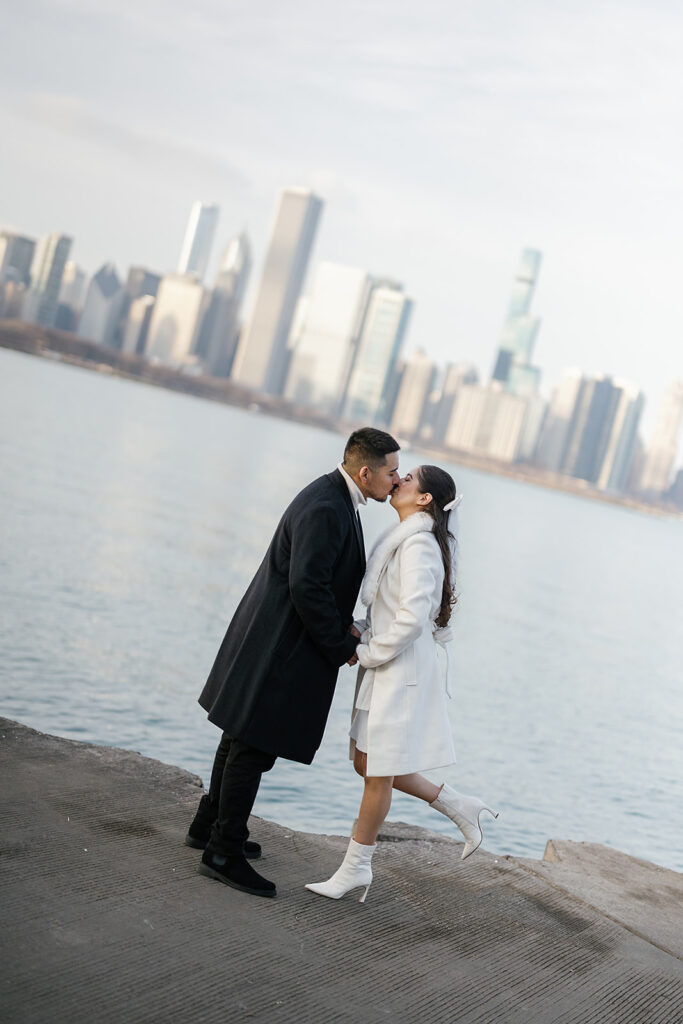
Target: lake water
[133, 518]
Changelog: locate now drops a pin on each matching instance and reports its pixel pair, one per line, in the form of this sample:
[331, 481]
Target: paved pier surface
[105, 918]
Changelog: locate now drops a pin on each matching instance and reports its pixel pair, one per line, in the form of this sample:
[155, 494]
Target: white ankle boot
[353, 872]
[464, 811]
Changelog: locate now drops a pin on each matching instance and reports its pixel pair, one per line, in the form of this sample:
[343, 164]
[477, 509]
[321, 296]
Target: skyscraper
[591, 428]
[617, 460]
[136, 325]
[220, 328]
[455, 376]
[16, 255]
[72, 291]
[102, 308]
[661, 453]
[262, 359]
[382, 336]
[323, 355]
[176, 319]
[487, 421]
[47, 268]
[556, 430]
[513, 362]
[196, 248]
[416, 384]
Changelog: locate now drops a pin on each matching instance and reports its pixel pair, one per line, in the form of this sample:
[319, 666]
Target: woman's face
[408, 497]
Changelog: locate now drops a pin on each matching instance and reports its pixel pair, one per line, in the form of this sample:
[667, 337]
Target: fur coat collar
[384, 548]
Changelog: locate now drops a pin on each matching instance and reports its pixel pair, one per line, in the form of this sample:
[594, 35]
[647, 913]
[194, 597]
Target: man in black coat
[273, 680]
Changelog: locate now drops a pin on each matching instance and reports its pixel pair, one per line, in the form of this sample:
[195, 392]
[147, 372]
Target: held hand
[354, 632]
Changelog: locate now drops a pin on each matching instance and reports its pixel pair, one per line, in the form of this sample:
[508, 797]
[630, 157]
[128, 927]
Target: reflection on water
[133, 518]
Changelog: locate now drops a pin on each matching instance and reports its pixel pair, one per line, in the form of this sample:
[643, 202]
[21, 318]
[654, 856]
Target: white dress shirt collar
[357, 496]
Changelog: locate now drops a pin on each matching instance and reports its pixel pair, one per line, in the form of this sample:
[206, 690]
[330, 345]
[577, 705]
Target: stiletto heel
[465, 811]
[354, 872]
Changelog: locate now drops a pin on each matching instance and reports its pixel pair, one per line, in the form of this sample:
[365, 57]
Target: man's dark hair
[369, 447]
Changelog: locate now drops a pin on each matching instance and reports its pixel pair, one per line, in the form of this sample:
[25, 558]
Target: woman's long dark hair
[441, 486]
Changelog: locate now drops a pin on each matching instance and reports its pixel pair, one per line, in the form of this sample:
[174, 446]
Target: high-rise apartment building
[328, 338]
[513, 361]
[196, 249]
[220, 328]
[176, 319]
[102, 309]
[661, 453]
[47, 268]
[417, 382]
[382, 335]
[262, 359]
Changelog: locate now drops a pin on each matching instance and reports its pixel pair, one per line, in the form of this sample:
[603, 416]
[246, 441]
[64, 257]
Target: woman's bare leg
[374, 808]
[417, 785]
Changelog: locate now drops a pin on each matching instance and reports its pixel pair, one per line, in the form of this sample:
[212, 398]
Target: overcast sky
[444, 137]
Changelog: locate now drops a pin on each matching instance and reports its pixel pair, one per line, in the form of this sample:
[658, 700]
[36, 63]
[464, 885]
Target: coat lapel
[338, 480]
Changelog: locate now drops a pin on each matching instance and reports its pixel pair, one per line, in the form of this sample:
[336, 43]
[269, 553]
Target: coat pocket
[406, 671]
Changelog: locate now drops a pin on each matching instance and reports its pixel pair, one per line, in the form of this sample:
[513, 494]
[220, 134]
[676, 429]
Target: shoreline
[64, 347]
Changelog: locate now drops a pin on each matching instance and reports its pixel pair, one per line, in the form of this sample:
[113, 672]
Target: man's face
[379, 483]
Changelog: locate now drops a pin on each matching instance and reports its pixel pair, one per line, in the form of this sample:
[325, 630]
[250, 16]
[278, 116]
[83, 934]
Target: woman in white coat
[400, 725]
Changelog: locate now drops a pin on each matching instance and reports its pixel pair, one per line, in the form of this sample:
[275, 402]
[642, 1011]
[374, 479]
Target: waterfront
[132, 519]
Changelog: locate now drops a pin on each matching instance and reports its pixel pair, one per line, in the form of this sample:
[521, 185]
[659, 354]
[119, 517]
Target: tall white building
[381, 339]
[220, 328]
[47, 268]
[136, 326]
[416, 385]
[328, 337]
[176, 319]
[455, 375]
[555, 431]
[102, 308]
[263, 356]
[72, 291]
[199, 234]
[661, 454]
[487, 421]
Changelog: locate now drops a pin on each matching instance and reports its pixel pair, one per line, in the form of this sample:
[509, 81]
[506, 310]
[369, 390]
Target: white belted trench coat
[401, 682]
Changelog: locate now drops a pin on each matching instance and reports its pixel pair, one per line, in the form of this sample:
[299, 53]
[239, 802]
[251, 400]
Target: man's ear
[364, 473]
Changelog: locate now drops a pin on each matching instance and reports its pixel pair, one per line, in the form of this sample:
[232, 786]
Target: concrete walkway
[105, 918]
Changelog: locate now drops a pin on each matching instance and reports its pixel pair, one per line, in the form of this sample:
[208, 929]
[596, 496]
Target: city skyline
[473, 132]
[374, 369]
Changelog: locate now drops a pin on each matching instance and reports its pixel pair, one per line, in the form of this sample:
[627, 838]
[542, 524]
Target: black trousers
[235, 779]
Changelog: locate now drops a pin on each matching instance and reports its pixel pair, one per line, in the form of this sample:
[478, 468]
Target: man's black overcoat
[274, 676]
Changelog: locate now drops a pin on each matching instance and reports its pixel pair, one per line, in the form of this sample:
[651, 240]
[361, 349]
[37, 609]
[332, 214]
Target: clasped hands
[354, 659]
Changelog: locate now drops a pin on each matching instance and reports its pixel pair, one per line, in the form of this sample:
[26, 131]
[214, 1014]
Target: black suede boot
[234, 871]
[199, 831]
[198, 836]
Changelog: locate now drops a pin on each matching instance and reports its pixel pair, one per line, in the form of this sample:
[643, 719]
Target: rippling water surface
[133, 518]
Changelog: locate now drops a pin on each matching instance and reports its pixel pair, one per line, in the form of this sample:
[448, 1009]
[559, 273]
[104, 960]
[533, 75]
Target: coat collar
[338, 481]
[384, 548]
